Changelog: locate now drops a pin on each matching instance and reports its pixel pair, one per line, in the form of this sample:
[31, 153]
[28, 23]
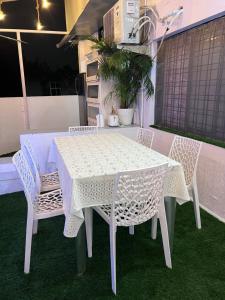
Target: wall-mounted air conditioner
[119, 21]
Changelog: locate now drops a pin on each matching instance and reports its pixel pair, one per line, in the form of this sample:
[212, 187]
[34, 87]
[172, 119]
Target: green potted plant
[128, 70]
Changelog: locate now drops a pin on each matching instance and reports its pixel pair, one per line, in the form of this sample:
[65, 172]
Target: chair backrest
[186, 151]
[80, 130]
[137, 195]
[145, 137]
[25, 175]
[28, 151]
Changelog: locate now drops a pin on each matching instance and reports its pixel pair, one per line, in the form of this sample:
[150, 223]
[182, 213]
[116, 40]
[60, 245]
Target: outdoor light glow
[46, 4]
[39, 25]
[2, 15]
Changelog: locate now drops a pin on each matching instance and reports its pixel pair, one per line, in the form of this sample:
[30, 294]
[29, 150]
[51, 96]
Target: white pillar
[25, 103]
[150, 118]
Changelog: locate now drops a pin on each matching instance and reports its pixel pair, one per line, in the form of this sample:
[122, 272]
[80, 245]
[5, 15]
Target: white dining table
[87, 166]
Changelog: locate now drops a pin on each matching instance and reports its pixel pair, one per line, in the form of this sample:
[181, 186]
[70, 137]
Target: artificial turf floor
[198, 260]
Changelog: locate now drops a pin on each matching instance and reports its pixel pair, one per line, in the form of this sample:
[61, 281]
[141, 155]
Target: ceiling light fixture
[46, 4]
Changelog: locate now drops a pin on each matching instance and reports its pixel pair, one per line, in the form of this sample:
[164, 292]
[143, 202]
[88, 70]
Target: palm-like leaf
[129, 70]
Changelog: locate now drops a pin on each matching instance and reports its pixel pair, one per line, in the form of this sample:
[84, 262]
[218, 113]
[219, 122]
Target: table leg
[81, 251]
[170, 207]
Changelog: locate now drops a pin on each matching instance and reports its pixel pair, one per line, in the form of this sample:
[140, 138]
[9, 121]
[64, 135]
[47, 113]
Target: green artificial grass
[198, 260]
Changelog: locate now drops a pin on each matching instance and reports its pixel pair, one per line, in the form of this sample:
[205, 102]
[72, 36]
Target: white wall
[11, 123]
[53, 113]
[210, 173]
[194, 11]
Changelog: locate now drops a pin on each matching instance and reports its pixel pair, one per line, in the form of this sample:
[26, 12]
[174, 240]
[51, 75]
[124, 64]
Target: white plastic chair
[46, 182]
[40, 206]
[145, 137]
[186, 151]
[137, 197]
[79, 130]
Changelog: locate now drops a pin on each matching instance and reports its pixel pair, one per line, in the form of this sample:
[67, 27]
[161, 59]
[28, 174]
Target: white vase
[113, 120]
[126, 115]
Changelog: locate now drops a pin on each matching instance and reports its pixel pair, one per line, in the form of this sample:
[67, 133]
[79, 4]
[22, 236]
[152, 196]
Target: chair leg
[35, 226]
[29, 229]
[154, 227]
[112, 231]
[196, 206]
[89, 229]
[165, 235]
[131, 230]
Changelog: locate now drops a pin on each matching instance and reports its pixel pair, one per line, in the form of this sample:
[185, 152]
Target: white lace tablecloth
[87, 167]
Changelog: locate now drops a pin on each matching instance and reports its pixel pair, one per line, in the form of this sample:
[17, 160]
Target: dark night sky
[42, 60]
[22, 14]
[42, 47]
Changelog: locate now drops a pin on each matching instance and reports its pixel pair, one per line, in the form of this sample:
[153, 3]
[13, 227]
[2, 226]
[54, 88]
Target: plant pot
[126, 115]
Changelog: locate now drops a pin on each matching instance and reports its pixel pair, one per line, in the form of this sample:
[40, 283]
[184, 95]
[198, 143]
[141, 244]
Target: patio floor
[198, 260]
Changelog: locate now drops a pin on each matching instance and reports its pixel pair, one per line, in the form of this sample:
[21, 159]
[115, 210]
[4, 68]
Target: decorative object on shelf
[100, 120]
[128, 70]
[113, 120]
